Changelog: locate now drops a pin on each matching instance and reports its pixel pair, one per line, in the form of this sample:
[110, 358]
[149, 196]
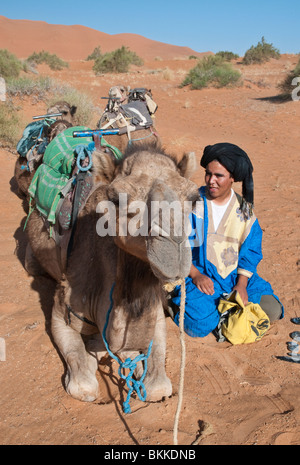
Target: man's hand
[241, 287]
[201, 281]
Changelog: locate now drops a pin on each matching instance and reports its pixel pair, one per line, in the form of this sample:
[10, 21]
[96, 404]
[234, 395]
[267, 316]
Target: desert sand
[240, 395]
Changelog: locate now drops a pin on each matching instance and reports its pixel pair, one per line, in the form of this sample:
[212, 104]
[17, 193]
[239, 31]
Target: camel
[22, 174]
[109, 268]
[112, 117]
[68, 111]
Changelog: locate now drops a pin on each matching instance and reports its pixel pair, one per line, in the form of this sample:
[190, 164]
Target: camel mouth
[169, 260]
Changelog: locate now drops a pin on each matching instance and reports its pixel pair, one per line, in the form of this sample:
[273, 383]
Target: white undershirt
[218, 211]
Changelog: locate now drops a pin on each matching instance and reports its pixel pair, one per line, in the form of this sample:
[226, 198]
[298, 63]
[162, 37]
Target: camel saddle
[133, 112]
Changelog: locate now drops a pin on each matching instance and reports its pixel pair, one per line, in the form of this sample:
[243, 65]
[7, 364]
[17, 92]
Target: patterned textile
[52, 179]
[34, 137]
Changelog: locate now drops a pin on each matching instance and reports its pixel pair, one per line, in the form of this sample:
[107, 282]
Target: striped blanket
[53, 179]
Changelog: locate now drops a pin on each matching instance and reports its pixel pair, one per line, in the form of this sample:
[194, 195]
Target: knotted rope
[131, 364]
[84, 151]
[169, 287]
[132, 384]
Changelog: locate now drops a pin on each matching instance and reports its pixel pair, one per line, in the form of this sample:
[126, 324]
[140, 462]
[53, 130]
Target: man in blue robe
[226, 244]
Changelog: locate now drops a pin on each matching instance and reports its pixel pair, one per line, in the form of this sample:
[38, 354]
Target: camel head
[119, 92]
[116, 96]
[153, 198]
[68, 111]
[57, 127]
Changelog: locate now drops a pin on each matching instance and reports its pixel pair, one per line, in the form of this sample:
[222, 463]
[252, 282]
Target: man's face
[218, 182]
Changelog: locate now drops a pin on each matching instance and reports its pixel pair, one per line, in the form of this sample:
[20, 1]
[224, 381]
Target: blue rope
[23, 167]
[132, 384]
[37, 139]
[82, 152]
[47, 122]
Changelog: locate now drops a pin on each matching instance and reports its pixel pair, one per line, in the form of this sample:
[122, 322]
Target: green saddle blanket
[50, 182]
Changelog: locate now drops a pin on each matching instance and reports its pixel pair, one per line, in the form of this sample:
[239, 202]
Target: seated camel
[25, 167]
[68, 111]
[111, 288]
[134, 129]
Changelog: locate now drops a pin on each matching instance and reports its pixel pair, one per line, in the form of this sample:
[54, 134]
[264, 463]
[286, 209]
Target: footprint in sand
[244, 372]
[287, 439]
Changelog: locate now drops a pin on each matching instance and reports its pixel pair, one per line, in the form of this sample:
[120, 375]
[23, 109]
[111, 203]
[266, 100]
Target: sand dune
[77, 42]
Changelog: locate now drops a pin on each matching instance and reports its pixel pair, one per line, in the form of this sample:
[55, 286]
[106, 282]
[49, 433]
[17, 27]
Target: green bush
[261, 53]
[53, 61]
[227, 56]
[10, 66]
[117, 61]
[51, 91]
[95, 54]
[84, 104]
[27, 86]
[10, 125]
[211, 70]
[286, 85]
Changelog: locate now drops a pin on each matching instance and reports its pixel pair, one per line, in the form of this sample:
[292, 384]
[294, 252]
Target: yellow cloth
[244, 324]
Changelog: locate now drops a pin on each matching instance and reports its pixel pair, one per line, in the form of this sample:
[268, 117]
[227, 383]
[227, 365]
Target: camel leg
[95, 346]
[157, 384]
[80, 381]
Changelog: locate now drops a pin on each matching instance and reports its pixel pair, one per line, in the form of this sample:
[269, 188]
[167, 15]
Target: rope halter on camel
[138, 386]
[132, 384]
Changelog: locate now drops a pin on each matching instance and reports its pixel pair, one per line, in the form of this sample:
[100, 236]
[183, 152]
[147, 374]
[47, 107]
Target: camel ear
[187, 165]
[103, 167]
[73, 110]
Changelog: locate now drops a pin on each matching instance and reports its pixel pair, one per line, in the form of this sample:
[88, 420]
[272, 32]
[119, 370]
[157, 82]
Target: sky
[213, 25]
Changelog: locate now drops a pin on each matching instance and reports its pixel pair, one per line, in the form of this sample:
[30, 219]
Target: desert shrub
[29, 67]
[213, 71]
[10, 65]
[117, 61]
[261, 53]
[168, 74]
[227, 56]
[95, 54]
[27, 86]
[53, 61]
[51, 91]
[84, 104]
[286, 85]
[10, 125]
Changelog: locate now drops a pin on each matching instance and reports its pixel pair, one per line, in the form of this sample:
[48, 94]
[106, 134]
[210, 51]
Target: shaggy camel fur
[24, 177]
[68, 111]
[136, 264]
